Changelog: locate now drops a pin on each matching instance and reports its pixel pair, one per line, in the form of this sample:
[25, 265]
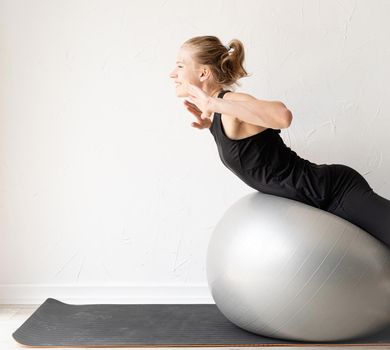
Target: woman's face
[186, 71]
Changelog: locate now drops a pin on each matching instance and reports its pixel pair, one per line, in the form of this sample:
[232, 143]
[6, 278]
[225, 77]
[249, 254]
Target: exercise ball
[283, 269]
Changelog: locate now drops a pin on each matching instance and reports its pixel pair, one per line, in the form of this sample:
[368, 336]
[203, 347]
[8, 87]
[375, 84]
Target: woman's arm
[244, 107]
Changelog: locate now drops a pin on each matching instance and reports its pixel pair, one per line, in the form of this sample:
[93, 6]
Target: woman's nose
[172, 74]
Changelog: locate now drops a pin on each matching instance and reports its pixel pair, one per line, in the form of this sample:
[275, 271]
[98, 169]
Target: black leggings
[355, 201]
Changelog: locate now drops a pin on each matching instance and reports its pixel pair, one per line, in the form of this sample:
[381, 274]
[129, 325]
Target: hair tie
[230, 49]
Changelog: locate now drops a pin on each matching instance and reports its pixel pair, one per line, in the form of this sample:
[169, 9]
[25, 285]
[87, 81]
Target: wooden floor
[12, 317]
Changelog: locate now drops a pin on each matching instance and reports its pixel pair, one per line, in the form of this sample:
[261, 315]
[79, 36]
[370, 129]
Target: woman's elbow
[287, 118]
[286, 115]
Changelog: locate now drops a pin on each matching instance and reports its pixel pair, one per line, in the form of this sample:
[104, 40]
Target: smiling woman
[205, 67]
[246, 131]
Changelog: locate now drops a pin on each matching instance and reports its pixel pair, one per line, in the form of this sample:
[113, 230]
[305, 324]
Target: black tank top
[264, 162]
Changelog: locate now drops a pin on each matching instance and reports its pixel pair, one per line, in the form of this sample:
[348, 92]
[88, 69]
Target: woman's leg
[358, 203]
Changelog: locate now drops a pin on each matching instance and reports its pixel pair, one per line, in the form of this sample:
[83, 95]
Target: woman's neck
[213, 92]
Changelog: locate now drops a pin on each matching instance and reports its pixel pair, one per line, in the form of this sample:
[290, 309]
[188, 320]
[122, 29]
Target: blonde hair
[225, 62]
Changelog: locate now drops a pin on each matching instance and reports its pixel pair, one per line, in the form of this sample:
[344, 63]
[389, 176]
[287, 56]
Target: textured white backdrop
[103, 182]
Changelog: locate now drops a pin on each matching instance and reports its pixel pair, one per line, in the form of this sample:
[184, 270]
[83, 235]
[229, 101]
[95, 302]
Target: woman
[246, 131]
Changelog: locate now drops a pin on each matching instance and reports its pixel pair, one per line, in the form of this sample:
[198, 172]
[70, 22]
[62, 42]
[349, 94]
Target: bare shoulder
[235, 128]
[242, 96]
[239, 96]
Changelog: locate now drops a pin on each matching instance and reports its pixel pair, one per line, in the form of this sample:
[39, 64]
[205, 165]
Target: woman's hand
[200, 99]
[201, 123]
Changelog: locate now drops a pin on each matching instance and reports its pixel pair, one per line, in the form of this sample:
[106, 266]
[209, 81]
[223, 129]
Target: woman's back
[264, 162]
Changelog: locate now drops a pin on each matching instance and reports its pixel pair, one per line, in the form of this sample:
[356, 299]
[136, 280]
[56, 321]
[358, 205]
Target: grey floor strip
[57, 324]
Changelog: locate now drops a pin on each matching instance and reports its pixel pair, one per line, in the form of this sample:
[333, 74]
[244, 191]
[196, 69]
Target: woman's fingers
[188, 103]
[195, 112]
[191, 99]
[198, 126]
[193, 109]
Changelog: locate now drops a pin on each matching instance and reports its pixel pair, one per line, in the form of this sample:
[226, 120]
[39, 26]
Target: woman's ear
[205, 74]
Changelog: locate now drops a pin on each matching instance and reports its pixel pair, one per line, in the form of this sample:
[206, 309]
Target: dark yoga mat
[146, 325]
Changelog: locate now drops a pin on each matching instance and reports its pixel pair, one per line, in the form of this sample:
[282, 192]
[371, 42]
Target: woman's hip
[344, 180]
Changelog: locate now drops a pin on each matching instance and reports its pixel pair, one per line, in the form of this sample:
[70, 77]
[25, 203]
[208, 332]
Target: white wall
[106, 192]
